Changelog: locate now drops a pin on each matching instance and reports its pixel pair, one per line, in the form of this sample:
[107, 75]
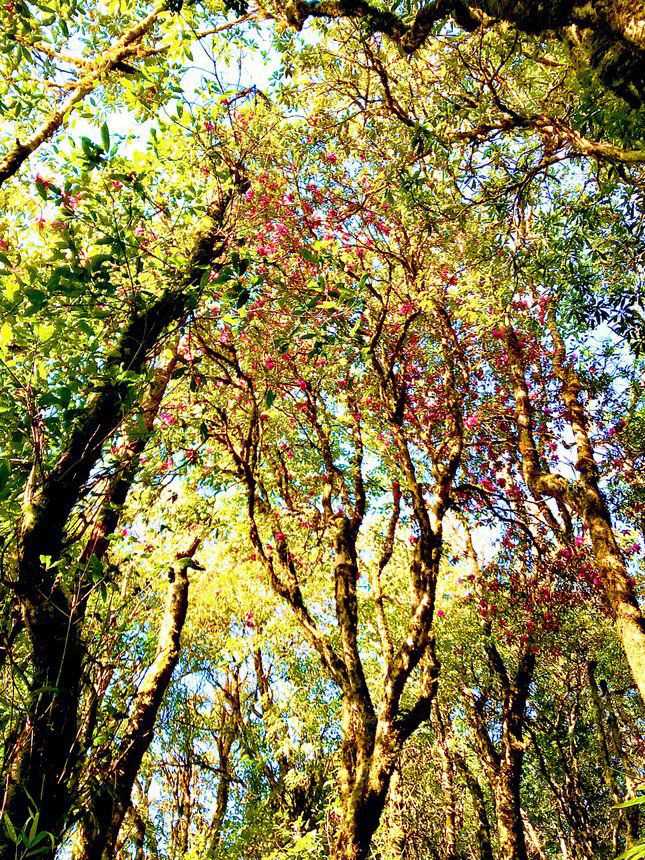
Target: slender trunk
[579, 839]
[110, 801]
[506, 758]
[613, 759]
[139, 833]
[448, 790]
[533, 837]
[121, 480]
[184, 813]
[221, 805]
[482, 823]
[584, 495]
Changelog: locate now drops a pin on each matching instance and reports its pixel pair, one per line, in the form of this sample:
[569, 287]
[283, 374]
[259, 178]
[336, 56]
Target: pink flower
[440, 613]
[269, 363]
[280, 536]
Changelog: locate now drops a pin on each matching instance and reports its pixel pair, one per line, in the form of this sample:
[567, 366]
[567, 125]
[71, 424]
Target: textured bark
[482, 822]
[613, 760]
[110, 799]
[47, 769]
[139, 833]
[505, 759]
[510, 827]
[608, 35]
[224, 744]
[533, 838]
[447, 775]
[582, 495]
[121, 480]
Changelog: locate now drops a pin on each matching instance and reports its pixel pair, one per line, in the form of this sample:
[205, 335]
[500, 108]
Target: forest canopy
[322, 430]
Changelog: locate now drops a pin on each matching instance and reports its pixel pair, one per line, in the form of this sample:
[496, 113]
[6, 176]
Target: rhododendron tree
[321, 432]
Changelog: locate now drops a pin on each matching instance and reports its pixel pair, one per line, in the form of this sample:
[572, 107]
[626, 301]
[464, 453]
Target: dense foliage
[321, 430]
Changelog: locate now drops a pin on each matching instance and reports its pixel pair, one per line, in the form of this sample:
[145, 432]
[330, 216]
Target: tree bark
[484, 842]
[583, 495]
[608, 35]
[111, 797]
[47, 769]
[447, 789]
[506, 762]
[224, 745]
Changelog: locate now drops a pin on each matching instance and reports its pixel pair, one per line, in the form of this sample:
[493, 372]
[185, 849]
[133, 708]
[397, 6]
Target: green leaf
[44, 331]
[636, 852]
[635, 801]
[105, 136]
[270, 398]
[33, 830]
[5, 471]
[10, 829]
[36, 297]
[308, 255]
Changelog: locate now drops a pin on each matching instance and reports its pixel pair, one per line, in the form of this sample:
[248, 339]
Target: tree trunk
[369, 759]
[484, 842]
[48, 766]
[447, 789]
[102, 820]
[510, 827]
[583, 495]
